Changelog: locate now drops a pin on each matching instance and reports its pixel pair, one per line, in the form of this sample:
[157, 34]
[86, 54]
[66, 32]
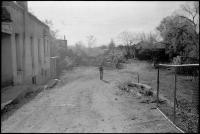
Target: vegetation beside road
[187, 116]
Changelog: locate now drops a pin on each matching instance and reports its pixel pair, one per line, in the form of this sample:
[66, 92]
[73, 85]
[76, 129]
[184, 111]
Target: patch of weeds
[134, 90]
[185, 119]
[123, 86]
[148, 93]
[188, 120]
[29, 94]
[141, 92]
[142, 87]
[120, 93]
[185, 105]
[7, 108]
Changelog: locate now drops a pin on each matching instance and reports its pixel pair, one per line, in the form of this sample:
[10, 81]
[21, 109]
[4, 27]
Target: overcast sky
[103, 19]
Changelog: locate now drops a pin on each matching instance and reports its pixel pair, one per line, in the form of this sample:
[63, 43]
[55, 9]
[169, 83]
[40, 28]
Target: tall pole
[158, 86]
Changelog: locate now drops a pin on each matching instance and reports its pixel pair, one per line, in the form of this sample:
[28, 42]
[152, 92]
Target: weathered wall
[21, 58]
[6, 60]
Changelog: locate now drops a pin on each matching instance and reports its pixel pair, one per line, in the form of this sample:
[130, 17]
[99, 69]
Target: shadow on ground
[106, 81]
[18, 103]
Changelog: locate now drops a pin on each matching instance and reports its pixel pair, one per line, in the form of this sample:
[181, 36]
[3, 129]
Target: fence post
[174, 94]
[138, 77]
[158, 86]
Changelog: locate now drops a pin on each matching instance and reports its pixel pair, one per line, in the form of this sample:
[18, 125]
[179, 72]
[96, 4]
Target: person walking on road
[101, 72]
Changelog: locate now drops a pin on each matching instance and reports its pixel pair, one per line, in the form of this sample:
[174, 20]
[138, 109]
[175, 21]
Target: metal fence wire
[180, 95]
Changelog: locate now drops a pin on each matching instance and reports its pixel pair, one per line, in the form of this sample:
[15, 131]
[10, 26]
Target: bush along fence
[184, 113]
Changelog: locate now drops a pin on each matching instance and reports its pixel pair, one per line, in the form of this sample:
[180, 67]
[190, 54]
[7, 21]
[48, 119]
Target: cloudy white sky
[103, 19]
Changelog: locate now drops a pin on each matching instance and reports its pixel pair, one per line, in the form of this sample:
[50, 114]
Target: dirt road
[83, 103]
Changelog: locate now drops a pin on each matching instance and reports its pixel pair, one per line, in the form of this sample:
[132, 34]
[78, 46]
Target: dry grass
[134, 89]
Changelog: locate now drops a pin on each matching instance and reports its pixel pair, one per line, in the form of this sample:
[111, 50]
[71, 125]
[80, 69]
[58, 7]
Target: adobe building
[25, 46]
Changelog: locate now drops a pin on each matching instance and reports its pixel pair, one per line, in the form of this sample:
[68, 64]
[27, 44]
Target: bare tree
[152, 37]
[142, 36]
[53, 32]
[129, 39]
[148, 37]
[111, 45]
[91, 40]
[191, 13]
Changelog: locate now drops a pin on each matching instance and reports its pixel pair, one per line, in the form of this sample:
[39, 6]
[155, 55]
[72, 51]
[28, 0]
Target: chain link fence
[179, 98]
